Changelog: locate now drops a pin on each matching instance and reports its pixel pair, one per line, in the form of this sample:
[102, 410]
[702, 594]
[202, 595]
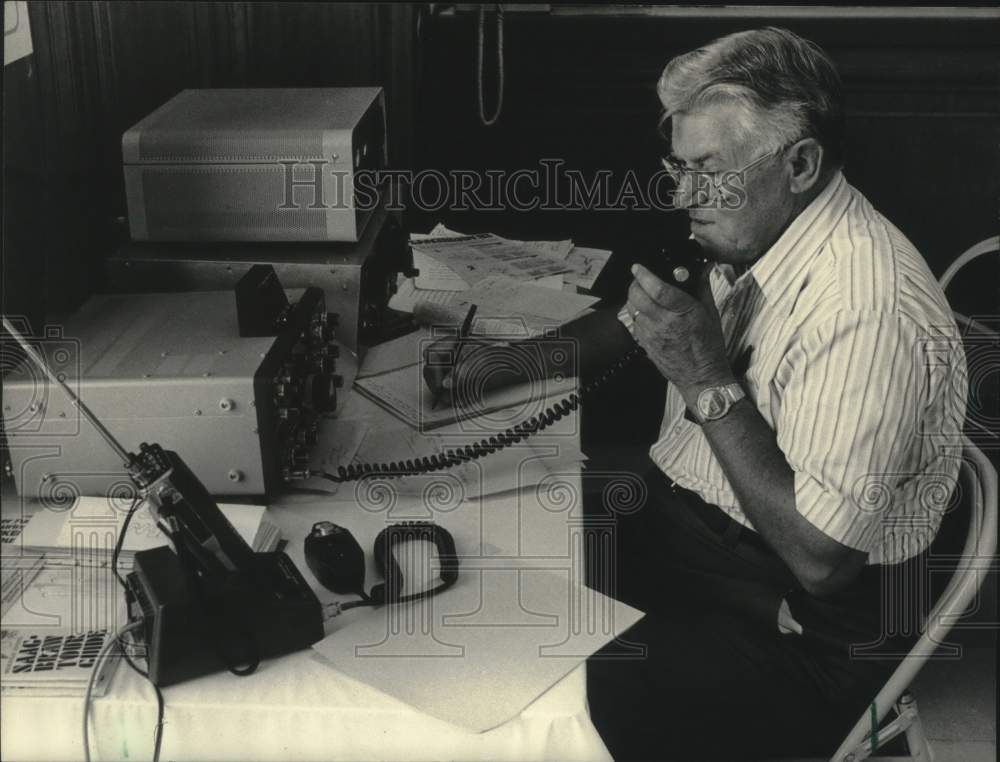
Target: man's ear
[805, 159]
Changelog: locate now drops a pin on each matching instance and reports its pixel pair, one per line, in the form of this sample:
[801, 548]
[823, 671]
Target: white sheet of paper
[337, 445]
[44, 527]
[507, 308]
[479, 653]
[16, 31]
[394, 354]
[143, 533]
[555, 249]
[508, 297]
[439, 231]
[586, 265]
[435, 275]
[81, 597]
[513, 468]
[555, 282]
[409, 298]
[485, 325]
[475, 257]
[395, 444]
[404, 393]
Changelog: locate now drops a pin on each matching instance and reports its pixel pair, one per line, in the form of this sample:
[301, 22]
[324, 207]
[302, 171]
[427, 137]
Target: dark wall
[922, 99]
[99, 67]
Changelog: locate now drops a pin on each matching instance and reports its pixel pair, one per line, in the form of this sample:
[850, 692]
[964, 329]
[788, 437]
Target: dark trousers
[718, 679]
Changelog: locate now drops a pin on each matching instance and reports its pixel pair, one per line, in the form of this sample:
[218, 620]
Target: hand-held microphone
[682, 265]
[338, 561]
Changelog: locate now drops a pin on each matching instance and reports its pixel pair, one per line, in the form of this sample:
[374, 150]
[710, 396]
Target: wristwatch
[715, 401]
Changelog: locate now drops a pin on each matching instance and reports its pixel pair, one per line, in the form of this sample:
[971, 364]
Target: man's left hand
[681, 335]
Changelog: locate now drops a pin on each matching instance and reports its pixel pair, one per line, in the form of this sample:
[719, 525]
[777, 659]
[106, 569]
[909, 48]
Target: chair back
[978, 477]
[973, 252]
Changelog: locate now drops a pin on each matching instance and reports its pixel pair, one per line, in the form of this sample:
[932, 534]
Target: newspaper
[475, 257]
[506, 307]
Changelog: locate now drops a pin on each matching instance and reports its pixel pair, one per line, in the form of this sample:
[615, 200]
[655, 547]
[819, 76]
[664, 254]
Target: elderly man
[811, 390]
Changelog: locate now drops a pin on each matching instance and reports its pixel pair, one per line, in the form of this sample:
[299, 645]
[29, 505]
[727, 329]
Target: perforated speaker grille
[232, 204]
[237, 146]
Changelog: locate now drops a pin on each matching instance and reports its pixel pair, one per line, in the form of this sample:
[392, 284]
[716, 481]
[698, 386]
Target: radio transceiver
[209, 602]
[238, 385]
[256, 164]
[357, 278]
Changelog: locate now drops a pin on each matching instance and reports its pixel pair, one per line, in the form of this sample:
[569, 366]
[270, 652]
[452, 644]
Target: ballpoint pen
[462, 335]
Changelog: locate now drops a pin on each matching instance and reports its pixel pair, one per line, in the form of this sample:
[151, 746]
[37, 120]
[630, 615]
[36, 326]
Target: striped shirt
[854, 360]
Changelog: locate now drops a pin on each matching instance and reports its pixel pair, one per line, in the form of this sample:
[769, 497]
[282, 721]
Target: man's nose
[694, 191]
[684, 192]
[683, 198]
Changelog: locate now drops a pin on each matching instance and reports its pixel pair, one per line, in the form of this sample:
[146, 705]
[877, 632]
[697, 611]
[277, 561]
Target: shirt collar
[779, 272]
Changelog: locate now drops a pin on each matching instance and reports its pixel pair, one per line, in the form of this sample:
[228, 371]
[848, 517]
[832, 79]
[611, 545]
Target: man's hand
[682, 336]
[598, 339]
[444, 378]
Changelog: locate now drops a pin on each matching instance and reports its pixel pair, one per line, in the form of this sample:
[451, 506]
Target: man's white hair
[786, 87]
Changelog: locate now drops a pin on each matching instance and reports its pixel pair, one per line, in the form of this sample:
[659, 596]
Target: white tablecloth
[297, 707]
[293, 708]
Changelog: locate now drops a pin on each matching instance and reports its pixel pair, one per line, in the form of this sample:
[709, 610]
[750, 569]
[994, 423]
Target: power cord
[98, 664]
[500, 67]
[158, 732]
[136, 502]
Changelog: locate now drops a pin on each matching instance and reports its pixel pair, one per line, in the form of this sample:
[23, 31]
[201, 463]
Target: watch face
[711, 403]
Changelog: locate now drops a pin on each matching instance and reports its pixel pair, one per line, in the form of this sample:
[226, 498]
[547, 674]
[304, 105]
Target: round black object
[335, 558]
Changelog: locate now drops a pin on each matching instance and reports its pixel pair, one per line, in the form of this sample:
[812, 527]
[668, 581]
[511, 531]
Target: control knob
[320, 392]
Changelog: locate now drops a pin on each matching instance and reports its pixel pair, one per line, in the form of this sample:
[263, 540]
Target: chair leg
[916, 739]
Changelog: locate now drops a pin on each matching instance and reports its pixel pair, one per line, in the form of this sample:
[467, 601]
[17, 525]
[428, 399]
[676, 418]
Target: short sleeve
[854, 391]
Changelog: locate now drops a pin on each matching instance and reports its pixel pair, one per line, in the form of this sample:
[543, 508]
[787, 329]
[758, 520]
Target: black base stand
[197, 625]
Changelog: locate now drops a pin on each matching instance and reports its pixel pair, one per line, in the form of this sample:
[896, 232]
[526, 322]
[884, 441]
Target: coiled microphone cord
[488, 445]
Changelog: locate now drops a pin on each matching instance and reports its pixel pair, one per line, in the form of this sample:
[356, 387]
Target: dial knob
[320, 392]
[299, 456]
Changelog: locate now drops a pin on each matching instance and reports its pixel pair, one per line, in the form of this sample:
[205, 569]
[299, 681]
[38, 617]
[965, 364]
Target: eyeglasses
[678, 172]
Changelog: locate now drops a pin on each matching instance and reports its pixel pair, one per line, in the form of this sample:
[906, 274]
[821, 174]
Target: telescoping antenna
[38, 360]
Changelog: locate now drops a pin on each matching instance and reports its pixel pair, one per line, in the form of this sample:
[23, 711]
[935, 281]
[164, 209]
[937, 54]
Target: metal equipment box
[357, 279]
[256, 164]
[172, 368]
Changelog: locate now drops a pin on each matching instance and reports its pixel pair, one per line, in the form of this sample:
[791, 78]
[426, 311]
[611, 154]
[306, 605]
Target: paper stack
[11, 526]
[86, 533]
[17, 568]
[578, 265]
[520, 288]
[56, 626]
[17, 573]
